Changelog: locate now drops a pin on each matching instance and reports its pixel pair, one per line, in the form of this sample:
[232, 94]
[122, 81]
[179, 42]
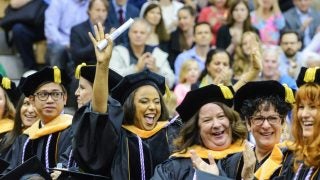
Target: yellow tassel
[289, 97]
[56, 74]
[168, 92]
[310, 74]
[227, 93]
[6, 83]
[78, 70]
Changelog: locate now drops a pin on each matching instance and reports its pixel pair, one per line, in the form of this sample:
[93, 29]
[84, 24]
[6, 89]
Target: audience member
[60, 17]
[24, 36]
[136, 55]
[202, 37]
[80, 45]
[270, 67]
[120, 11]
[291, 58]
[169, 11]
[268, 19]
[216, 15]
[158, 37]
[182, 39]
[238, 22]
[304, 19]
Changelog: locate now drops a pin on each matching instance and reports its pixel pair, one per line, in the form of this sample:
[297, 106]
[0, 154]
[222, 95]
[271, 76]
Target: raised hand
[104, 56]
[249, 160]
[201, 165]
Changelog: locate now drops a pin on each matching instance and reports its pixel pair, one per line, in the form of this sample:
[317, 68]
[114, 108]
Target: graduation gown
[304, 173]
[179, 166]
[103, 146]
[47, 143]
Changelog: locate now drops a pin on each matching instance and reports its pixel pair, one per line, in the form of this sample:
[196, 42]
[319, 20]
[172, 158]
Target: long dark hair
[247, 26]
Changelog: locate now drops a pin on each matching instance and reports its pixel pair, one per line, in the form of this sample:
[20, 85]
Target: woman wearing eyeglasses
[49, 136]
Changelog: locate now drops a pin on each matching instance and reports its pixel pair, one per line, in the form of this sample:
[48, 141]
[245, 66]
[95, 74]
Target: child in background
[189, 75]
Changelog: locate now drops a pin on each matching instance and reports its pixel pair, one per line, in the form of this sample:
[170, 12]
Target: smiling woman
[211, 127]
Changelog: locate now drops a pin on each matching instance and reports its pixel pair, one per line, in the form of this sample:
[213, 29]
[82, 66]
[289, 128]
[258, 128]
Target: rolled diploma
[103, 44]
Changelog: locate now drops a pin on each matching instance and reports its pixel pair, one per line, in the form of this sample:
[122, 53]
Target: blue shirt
[190, 54]
[61, 16]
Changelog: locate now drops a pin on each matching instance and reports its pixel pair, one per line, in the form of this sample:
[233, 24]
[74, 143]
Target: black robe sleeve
[96, 137]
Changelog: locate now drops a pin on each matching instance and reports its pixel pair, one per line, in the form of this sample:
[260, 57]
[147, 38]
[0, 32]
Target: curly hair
[310, 93]
[190, 132]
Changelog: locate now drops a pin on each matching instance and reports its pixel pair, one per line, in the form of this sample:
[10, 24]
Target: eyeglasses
[259, 120]
[43, 95]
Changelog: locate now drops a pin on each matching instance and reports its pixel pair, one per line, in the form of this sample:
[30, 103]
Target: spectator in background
[202, 38]
[189, 75]
[23, 37]
[151, 12]
[81, 47]
[170, 10]
[303, 18]
[270, 67]
[120, 11]
[238, 22]
[137, 56]
[268, 19]
[182, 39]
[291, 58]
[216, 15]
[60, 17]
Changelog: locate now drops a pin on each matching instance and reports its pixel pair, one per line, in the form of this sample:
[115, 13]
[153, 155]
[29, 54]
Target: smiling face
[84, 92]
[185, 20]
[28, 113]
[266, 134]
[147, 107]
[307, 112]
[50, 108]
[214, 127]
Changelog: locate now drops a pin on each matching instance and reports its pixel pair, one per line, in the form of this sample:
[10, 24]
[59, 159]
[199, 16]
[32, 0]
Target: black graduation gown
[102, 146]
[288, 173]
[55, 142]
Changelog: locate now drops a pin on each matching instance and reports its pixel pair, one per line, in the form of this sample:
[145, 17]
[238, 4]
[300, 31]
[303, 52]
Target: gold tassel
[78, 70]
[6, 83]
[227, 93]
[310, 74]
[56, 74]
[289, 96]
[168, 92]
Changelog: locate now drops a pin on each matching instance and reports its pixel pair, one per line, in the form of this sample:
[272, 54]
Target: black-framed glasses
[43, 95]
[259, 120]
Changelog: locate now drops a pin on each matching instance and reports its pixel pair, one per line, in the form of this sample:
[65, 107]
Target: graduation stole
[143, 133]
[6, 125]
[61, 122]
[273, 162]
[203, 152]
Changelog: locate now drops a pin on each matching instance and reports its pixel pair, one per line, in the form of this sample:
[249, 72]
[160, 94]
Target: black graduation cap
[32, 166]
[259, 89]
[76, 175]
[308, 75]
[3, 165]
[131, 82]
[89, 71]
[10, 88]
[47, 74]
[195, 99]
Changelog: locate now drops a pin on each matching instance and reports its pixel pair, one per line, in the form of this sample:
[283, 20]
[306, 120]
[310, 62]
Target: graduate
[8, 95]
[128, 138]
[50, 135]
[211, 127]
[306, 122]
